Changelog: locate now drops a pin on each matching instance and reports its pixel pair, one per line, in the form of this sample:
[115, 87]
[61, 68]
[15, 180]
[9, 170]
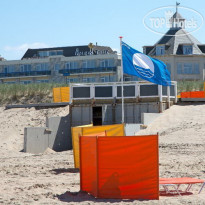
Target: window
[127, 78]
[90, 79]
[188, 68]
[73, 80]
[107, 63]
[179, 68]
[84, 80]
[160, 50]
[112, 78]
[43, 53]
[57, 67]
[104, 79]
[187, 49]
[50, 53]
[88, 64]
[42, 67]
[71, 65]
[26, 68]
[42, 81]
[196, 69]
[9, 69]
[26, 82]
[11, 82]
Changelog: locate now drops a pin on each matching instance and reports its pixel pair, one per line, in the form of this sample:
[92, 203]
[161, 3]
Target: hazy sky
[52, 23]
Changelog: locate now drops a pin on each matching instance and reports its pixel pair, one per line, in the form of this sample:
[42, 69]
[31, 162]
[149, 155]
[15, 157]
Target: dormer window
[187, 49]
[160, 50]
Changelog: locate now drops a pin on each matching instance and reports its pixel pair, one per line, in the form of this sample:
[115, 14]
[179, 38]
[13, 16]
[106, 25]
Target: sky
[55, 23]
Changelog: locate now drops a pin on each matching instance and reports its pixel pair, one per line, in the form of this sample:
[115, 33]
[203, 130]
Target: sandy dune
[50, 178]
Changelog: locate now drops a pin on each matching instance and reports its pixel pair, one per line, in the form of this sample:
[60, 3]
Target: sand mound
[13, 122]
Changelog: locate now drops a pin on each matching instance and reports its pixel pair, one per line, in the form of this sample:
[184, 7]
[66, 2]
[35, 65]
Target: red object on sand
[183, 180]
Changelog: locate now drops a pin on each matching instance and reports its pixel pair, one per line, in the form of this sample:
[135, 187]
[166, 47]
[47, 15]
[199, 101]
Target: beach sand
[50, 177]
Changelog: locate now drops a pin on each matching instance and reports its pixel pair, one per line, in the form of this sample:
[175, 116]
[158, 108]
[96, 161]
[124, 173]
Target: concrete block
[148, 118]
[60, 136]
[131, 129]
[35, 139]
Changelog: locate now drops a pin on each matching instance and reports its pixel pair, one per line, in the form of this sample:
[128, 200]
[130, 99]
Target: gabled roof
[173, 39]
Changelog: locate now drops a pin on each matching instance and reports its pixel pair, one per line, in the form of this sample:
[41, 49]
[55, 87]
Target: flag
[143, 66]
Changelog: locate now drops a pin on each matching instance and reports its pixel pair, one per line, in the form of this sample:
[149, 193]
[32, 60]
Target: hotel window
[9, 69]
[187, 68]
[84, 80]
[187, 49]
[74, 80]
[196, 68]
[160, 50]
[88, 64]
[57, 67]
[41, 81]
[127, 78]
[10, 82]
[71, 65]
[179, 68]
[104, 79]
[106, 63]
[90, 79]
[50, 53]
[26, 68]
[43, 53]
[26, 82]
[42, 67]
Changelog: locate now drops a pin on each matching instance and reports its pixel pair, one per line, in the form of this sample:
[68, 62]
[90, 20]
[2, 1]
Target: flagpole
[122, 88]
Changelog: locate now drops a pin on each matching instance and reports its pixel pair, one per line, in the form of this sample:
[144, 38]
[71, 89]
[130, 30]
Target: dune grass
[184, 86]
[31, 93]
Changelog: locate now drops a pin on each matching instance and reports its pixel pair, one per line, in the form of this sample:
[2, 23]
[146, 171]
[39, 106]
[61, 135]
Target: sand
[49, 178]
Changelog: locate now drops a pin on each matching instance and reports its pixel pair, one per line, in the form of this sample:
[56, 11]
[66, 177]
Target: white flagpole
[122, 88]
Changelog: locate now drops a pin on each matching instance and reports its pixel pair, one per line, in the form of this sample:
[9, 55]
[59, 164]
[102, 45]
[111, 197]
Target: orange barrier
[193, 94]
[90, 130]
[124, 167]
[61, 94]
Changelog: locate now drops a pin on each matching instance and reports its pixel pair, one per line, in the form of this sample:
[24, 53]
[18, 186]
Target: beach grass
[31, 93]
[183, 86]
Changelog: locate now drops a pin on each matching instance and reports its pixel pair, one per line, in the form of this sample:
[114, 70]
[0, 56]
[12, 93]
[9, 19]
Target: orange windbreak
[100, 134]
[197, 94]
[126, 167]
[193, 94]
[88, 164]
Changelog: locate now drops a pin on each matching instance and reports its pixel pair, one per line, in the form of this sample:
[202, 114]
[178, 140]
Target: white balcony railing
[110, 90]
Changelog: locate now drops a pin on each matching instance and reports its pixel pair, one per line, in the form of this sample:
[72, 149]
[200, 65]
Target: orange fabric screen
[197, 94]
[127, 167]
[193, 94]
[88, 164]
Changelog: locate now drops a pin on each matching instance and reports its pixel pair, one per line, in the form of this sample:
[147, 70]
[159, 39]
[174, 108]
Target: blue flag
[145, 67]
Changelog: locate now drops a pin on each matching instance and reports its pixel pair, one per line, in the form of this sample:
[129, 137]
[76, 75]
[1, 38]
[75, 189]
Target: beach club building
[76, 64]
[183, 54]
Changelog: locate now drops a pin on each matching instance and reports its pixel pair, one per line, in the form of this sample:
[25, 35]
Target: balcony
[28, 73]
[88, 70]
